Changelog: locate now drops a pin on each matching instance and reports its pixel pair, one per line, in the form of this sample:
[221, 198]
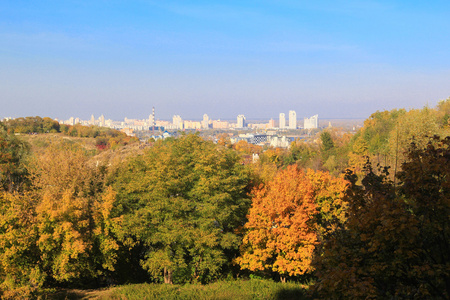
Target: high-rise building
[311, 123]
[205, 122]
[292, 119]
[92, 122]
[271, 123]
[282, 121]
[177, 122]
[102, 120]
[240, 121]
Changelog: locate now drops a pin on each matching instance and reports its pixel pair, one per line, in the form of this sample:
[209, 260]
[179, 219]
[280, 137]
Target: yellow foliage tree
[72, 215]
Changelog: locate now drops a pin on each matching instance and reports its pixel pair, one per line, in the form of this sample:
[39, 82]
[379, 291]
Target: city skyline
[206, 122]
[339, 59]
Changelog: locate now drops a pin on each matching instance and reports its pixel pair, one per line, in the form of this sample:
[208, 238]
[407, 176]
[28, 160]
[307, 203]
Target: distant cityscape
[272, 133]
[206, 123]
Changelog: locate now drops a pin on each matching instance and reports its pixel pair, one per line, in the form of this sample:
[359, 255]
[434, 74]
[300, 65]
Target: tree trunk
[167, 276]
[283, 278]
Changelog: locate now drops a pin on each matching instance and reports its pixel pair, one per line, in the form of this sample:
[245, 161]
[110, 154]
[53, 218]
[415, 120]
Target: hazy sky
[338, 59]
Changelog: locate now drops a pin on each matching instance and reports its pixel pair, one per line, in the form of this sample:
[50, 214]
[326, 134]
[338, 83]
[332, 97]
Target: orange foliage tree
[284, 221]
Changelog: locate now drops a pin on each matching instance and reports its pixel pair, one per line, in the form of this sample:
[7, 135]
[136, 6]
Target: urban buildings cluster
[178, 123]
[272, 133]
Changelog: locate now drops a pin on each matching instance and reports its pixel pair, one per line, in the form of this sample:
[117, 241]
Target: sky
[120, 58]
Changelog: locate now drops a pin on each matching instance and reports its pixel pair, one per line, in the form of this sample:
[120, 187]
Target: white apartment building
[311, 123]
[177, 122]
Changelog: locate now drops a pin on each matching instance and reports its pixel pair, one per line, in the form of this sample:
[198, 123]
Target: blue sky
[339, 59]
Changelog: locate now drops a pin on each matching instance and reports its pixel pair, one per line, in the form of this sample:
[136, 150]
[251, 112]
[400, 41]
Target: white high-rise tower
[282, 121]
[240, 121]
[205, 122]
[292, 119]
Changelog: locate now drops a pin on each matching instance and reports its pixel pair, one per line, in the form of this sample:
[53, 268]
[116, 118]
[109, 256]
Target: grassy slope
[239, 289]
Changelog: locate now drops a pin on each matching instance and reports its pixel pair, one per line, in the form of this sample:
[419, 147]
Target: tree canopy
[183, 200]
[395, 243]
[288, 217]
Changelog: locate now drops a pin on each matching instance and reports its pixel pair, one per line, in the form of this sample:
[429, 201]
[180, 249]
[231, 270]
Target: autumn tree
[417, 125]
[395, 243]
[12, 155]
[72, 215]
[287, 218]
[305, 154]
[20, 272]
[443, 108]
[183, 201]
[247, 148]
[58, 230]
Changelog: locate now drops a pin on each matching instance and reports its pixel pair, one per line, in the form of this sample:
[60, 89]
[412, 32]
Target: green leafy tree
[305, 154]
[327, 141]
[183, 201]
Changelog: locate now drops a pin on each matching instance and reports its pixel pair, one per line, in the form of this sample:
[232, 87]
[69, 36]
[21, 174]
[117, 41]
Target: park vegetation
[348, 215]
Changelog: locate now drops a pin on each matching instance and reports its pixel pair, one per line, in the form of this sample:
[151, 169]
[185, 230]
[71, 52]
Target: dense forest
[362, 215]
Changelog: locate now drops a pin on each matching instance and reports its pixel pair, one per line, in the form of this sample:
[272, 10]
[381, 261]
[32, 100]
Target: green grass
[237, 289]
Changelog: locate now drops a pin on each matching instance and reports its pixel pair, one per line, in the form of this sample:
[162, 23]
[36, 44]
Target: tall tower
[292, 119]
[282, 121]
[240, 121]
[151, 120]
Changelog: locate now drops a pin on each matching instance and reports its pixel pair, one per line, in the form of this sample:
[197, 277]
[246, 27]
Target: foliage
[377, 129]
[72, 215]
[414, 126]
[59, 230]
[105, 137]
[12, 155]
[247, 148]
[327, 141]
[395, 243]
[273, 156]
[20, 275]
[287, 217]
[443, 109]
[183, 200]
[425, 179]
[33, 125]
[305, 154]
